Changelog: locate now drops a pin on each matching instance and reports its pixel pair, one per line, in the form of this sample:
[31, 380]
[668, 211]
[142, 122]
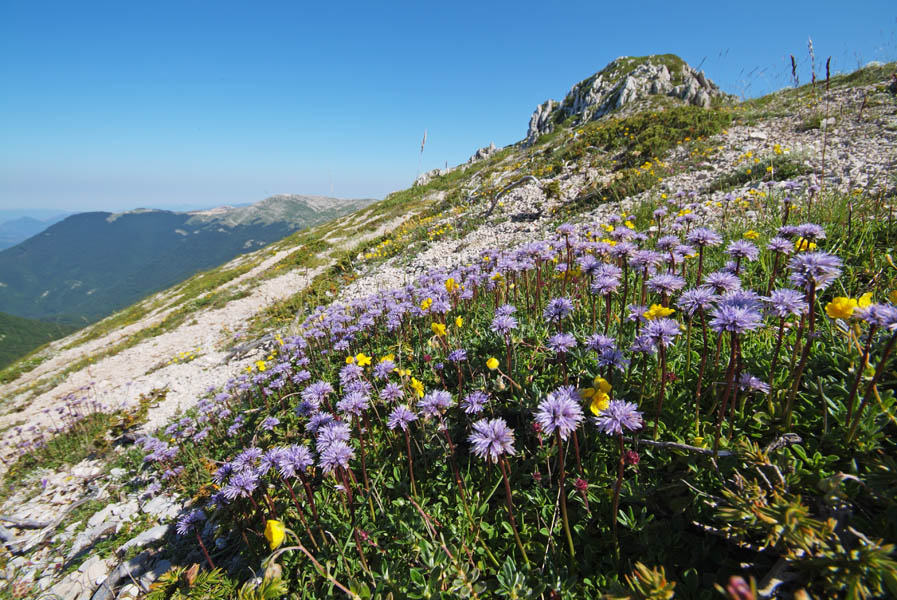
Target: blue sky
[109, 106]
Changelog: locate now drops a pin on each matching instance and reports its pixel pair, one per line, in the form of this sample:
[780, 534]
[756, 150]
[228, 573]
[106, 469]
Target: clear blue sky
[171, 104]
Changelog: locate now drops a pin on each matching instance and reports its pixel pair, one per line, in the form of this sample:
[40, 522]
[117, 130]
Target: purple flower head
[668, 242]
[598, 342]
[704, 237]
[335, 431]
[644, 260]
[491, 438]
[317, 392]
[785, 302]
[503, 325]
[604, 285]
[353, 403]
[401, 416]
[734, 319]
[383, 368]
[662, 331]
[474, 402]
[240, 485]
[270, 423]
[561, 343]
[457, 356]
[883, 316]
[611, 358]
[780, 245]
[810, 231]
[619, 415]
[665, 283]
[722, 282]
[741, 299]
[557, 309]
[749, 383]
[293, 460]
[317, 421]
[696, 299]
[391, 391]
[743, 249]
[505, 310]
[560, 412]
[435, 403]
[349, 373]
[637, 313]
[811, 270]
[337, 454]
[188, 522]
[247, 459]
[644, 344]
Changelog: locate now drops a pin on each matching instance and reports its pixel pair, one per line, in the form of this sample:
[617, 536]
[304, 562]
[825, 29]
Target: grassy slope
[20, 336]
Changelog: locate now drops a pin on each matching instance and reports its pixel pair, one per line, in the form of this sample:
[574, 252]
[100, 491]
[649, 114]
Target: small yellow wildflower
[350, 360]
[418, 387]
[362, 359]
[275, 532]
[492, 363]
[750, 234]
[629, 224]
[459, 322]
[599, 404]
[426, 304]
[387, 357]
[450, 285]
[260, 365]
[438, 328]
[802, 245]
[656, 311]
[864, 300]
[841, 308]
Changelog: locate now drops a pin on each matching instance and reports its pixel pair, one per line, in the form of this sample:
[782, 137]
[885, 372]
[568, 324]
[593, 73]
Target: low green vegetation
[20, 336]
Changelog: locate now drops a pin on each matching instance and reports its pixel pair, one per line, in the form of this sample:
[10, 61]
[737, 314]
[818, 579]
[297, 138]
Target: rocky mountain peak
[623, 82]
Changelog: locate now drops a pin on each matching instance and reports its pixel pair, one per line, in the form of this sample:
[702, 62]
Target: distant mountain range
[20, 229]
[91, 264]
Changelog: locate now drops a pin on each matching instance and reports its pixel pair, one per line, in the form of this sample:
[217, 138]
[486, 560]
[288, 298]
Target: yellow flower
[260, 365]
[750, 234]
[841, 308]
[426, 304]
[362, 359]
[459, 322]
[402, 372]
[438, 328]
[656, 311]
[492, 363]
[629, 224]
[802, 245]
[600, 402]
[387, 357]
[418, 387]
[274, 533]
[350, 360]
[450, 285]
[865, 300]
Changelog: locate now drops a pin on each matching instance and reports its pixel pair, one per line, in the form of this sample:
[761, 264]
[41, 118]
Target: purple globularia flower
[337, 454]
[743, 249]
[435, 403]
[505, 310]
[611, 358]
[474, 402]
[270, 423]
[785, 302]
[666, 283]
[734, 319]
[383, 368]
[353, 403]
[749, 383]
[643, 260]
[335, 431]
[241, 485]
[604, 285]
[883, 316]
[696, 299]
[721, 282]
[668, 242]
[619, 415]
[561, 343]
[810, 231]
[560, 412]
[293, 460]
[503, 325]
[780, 245]
[741, 299]
[457, 356]
[661, 331]
[637, 312]
[598, 342]
[317, 392]
[391, 391]
[703, 237]
[401, 416]
[317, 421]
[491, 438]
[814, 270]
[351, 372]
[188, 522]
[557, 309]
[644, 344]
[247, 459]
